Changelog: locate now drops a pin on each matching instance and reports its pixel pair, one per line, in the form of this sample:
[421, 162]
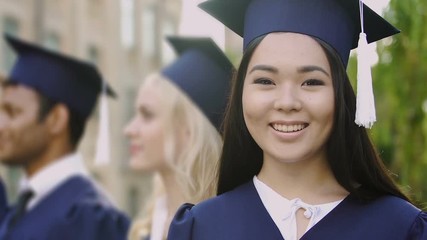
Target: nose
[129, 129]
[288, 99]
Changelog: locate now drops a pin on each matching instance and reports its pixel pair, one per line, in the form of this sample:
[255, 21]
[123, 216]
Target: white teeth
[288, 128]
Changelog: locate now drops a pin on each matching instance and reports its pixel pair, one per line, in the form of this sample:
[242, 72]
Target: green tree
[400, 80]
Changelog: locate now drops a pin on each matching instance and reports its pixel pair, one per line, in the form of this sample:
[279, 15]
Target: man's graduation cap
[203, 72]
[63, 79]
[340, 23]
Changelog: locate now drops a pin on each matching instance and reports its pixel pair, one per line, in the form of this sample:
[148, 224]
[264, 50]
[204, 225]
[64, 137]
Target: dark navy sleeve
[3, 201]
[181, 227]
[92, 221]
[419, 228]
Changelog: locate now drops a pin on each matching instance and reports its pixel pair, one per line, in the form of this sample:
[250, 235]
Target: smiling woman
[288, 103]
[295, 165]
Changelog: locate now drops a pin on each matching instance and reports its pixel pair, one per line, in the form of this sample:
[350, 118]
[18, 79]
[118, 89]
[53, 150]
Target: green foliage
[400, 80]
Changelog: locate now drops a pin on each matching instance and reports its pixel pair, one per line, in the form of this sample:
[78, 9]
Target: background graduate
[44, 106]
[295, 165]
[3, 200]
[175, 131]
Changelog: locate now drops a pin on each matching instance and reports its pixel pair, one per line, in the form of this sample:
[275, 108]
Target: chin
[140, 166]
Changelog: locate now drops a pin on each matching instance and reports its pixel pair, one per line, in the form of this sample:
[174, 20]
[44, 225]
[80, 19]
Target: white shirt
[283, 211]
[160, 214]
[50, 177]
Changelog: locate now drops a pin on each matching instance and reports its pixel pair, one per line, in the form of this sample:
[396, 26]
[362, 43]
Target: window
[10, 26]
[93, 55]
[168, 54]
[149, 31]
[52, 41]
[128, 23]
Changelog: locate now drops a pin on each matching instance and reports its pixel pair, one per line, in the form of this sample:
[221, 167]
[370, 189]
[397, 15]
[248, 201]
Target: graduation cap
[64, 79]
[61, 78]
[203, 72]
[343, 24]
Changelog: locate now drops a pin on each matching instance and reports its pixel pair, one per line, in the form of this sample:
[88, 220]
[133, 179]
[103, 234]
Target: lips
[288, 128]
[135, 149]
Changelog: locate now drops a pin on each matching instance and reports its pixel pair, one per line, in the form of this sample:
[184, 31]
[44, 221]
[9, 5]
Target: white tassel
[365, 103]
[102, 155]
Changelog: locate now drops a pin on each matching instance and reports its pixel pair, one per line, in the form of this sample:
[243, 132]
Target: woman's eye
[263, 81]
[146, 114]
[313, 82]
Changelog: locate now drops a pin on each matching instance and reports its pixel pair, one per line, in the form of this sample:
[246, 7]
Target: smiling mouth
[288, 128]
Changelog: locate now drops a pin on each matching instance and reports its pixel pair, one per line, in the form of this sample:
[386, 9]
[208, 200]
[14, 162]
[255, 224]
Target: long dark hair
[350, 152]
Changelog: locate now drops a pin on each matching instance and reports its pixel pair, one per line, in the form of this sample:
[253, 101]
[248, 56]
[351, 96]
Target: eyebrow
[312, 68]
[264, 68]
[303, 69]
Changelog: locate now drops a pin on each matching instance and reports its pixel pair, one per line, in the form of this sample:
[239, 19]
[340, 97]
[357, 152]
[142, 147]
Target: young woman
[174, 133]
[294, 163]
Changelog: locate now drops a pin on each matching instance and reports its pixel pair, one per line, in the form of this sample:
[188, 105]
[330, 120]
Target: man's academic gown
[241, 215]
[3, 201]
[75, 210]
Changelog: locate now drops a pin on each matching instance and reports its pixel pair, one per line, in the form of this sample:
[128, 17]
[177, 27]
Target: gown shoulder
[419, 227]
[182, 224]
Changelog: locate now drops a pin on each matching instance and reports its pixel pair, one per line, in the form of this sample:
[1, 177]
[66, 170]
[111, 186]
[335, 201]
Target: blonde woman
[174, 132]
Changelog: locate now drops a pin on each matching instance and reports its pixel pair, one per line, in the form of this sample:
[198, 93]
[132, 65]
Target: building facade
[125, 39]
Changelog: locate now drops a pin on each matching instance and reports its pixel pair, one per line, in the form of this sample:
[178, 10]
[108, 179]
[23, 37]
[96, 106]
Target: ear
[58, 118]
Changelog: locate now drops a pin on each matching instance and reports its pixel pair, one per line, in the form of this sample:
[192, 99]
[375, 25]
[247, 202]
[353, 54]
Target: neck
[311, 181]
[52, 153]
[174, 194]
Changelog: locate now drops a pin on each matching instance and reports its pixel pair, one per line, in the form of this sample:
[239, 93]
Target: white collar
[160, 214]
[51, 176]
[282, 210]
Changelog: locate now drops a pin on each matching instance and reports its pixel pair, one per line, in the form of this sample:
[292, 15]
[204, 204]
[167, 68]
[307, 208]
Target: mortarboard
[336, 22]
[340, 23]
[61, 78]
[203, 72]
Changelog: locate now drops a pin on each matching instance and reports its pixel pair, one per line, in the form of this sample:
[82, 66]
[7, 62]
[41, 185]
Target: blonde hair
[196, 165]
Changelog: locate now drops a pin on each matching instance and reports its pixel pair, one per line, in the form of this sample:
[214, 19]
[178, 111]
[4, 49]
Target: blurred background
[125, 39]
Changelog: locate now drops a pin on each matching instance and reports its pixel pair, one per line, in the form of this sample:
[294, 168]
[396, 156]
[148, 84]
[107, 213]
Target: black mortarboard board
[337, 22]
[203, 72]
[61, 78]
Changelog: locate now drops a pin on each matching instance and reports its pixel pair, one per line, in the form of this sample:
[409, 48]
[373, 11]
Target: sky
[195, 22]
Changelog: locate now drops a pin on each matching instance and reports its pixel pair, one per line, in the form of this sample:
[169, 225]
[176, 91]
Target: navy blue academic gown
[241, 215]
[73, 211]
[3, 201]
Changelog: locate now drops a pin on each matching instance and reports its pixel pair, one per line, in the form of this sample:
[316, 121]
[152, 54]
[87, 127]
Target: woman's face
[146, 132]
[288, 98]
